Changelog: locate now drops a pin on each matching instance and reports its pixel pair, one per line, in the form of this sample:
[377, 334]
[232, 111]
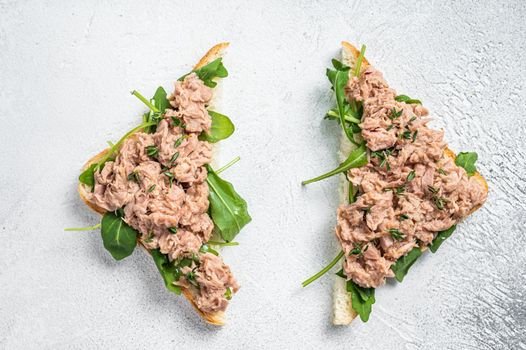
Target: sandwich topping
[159, 183]
[406, 189]
[408, 192]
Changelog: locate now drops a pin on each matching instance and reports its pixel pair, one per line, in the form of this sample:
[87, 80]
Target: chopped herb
[174, 158]
[432, 189]
[441, 171]
[228, 293]
[357, 250]
[394, 114]
[152, 150]
[413, 118]
[399, 190]
[170, 177]
[152, 187]
[179, 141]
[403, 217]
[396, 234]
[414, 136]
[439, 202]
[149, 239]
[173, 230]
[406, 134]
[134, 176]
[366, 209]
[190, 277]
[390, 127]
[411, 176]
[176, 121]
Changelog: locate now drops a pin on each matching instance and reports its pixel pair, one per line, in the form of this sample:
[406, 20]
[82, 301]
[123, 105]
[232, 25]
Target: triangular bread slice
[343, 313]
[216, 318]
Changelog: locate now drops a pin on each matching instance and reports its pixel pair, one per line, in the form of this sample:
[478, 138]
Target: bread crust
[214, 318]
[343, 314]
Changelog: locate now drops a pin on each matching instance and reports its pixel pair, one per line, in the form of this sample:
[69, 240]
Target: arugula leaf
[356, 159]
[467, 161]
[160, 101]
[362, 299]
[407, 99]
[227, 209]
[87, 177]
[118, 238]
[169, 273]
[402, 265]
[214, 69]
[440, 238]
[339, 79]
[221, 129]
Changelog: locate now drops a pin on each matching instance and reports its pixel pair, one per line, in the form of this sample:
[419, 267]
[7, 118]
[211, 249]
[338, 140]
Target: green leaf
[118, 238]
[168, 272]
[227, 209]
[407, 99]
[467, 161]
[339, 79]
[440, 238]
[402, 265]
[362, 299]
[87, 177]
[221, 129]
[160, 101]
[211, 71]
[356, 159]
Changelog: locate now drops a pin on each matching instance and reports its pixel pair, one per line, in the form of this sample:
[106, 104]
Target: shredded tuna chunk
[409, 191]
[159, 180]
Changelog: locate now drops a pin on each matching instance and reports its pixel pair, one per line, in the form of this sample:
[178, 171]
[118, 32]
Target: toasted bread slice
[216, 318]
[343, 313]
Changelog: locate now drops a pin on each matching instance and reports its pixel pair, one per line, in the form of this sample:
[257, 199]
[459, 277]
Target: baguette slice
[216, 318]
[343, 313]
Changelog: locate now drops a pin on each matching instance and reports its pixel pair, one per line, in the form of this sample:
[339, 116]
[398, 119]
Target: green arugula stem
[223, 244]
[347, 117]
[357, 158]
[359, 62]
[323, 271]
[89, 228]
[225, 167]
[145, 101]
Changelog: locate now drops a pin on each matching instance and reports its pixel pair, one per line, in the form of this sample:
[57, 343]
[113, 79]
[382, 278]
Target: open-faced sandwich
[156, 187]
[402, 190]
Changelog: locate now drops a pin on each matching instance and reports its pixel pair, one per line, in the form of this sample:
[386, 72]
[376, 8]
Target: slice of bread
[216, 318]
[343, 313]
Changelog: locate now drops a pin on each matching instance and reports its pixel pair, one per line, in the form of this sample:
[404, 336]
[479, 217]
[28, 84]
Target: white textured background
[65, 75]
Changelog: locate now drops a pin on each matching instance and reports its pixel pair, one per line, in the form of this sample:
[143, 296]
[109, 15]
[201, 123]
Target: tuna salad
[406, 190]
[157, 188]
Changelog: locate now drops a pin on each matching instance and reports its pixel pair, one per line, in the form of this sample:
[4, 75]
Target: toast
[343, 313]
[216, 318]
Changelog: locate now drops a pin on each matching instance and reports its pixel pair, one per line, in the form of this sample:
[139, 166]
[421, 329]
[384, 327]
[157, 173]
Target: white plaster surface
[66, 69]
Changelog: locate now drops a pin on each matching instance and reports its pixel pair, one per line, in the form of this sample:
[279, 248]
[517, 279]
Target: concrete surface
[66, 72]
